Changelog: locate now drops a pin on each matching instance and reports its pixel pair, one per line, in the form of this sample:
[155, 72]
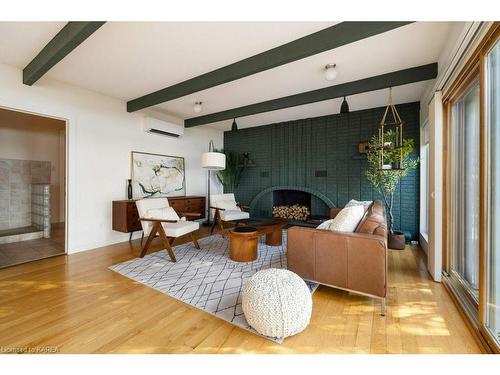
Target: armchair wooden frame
[217, 219]
[167, 241]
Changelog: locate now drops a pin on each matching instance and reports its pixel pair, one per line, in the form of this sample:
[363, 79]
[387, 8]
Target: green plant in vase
[230, 176]
[385, 181]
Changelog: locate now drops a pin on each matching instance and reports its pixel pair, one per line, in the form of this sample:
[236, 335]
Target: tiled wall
[40, 207]
[15, 193]
[291, 153]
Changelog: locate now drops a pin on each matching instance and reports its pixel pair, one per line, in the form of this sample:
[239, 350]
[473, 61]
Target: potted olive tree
[386, 178]
[231, 175]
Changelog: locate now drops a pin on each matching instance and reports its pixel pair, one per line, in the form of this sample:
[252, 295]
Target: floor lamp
[213, 161]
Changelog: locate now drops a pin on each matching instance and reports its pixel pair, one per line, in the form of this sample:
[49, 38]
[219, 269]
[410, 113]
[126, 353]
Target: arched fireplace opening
[292, 204]
[299, 205]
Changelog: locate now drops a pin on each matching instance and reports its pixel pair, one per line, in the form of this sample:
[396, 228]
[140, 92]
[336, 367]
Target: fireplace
[291, 204]
[316, 204]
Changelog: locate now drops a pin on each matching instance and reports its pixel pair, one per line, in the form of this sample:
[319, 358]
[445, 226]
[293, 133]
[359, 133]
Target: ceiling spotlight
[330, 72]
[234, 126]
[344, 107]
[197, 107]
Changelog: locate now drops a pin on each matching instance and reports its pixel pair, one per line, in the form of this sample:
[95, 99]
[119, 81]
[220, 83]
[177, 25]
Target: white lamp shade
[214, 161]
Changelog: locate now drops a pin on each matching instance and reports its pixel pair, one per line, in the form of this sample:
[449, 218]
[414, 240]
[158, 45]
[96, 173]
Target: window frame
[473, 311]
[485, 196]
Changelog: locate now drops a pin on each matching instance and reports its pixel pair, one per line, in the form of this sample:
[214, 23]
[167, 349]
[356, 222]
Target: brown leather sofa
[355, 261]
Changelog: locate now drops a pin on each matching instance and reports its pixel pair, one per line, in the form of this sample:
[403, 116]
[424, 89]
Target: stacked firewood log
[295, 212]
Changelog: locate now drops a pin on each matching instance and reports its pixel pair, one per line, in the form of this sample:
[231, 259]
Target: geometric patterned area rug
[206, 279]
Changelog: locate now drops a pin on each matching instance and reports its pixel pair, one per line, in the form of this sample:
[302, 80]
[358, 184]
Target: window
[465, 192]
[492, 310]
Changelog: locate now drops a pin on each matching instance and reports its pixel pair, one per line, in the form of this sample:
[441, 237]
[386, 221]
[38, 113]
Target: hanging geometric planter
[391, 146]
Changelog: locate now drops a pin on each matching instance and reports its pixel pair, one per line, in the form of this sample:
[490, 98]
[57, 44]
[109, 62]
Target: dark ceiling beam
[65, 41]
[400, 77]
[321, 41]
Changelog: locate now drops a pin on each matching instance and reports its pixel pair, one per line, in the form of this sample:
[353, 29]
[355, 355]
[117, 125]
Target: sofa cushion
[373, 220]
[180, 228]
[228, 205]
[232, 215]
[325, 224]
[346, 220]
[164, 213]
[354, 202]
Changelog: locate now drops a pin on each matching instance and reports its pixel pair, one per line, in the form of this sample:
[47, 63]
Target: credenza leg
[130, 237]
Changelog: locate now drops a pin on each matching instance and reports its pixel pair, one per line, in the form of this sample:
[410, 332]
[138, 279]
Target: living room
[283, 186]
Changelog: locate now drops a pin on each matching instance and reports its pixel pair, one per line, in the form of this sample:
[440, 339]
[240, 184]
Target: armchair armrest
[244, 207]
[217, 208]
[158, 220]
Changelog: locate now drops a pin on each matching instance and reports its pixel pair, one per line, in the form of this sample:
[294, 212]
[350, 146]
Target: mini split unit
[160, 127]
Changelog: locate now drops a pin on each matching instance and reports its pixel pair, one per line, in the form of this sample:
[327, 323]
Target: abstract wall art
[155, 175]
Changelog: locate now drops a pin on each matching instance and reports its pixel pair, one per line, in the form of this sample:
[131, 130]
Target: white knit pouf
[277, 303]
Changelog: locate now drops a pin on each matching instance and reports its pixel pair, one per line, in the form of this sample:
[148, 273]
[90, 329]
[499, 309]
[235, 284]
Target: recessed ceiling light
[330, 72]
[197, 107]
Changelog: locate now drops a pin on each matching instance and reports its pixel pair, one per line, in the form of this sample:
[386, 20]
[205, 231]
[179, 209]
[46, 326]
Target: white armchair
[157, 217]
[225, 209]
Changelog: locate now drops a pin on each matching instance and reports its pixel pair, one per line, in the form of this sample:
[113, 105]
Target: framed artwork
[155, 175]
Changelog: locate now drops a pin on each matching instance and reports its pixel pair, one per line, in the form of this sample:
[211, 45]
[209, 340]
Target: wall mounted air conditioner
[160, 127]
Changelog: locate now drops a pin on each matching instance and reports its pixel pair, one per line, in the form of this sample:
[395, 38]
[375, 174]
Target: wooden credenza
[126, 217]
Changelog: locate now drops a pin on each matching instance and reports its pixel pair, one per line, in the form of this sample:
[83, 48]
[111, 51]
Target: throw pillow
[228, 205]
[347, 219]
[325, 225]
[354, 202]
[164, 213]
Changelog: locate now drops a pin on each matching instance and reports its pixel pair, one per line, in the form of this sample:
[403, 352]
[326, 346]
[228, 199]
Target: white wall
[101, 135]
[41, 145]
[435, 238]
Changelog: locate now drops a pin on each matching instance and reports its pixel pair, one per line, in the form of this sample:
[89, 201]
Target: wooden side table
[243, 244]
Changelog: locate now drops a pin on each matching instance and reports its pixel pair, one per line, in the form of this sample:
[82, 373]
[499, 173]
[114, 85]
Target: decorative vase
[396, 240]
[246, 158]
[129, 189]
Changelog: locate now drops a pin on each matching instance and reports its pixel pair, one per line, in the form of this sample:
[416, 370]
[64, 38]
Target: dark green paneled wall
[290, 153]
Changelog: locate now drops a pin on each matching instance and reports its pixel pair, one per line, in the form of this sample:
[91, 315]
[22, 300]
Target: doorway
[32, 187]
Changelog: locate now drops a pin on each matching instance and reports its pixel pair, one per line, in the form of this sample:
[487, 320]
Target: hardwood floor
[30, 250]
[76, 304]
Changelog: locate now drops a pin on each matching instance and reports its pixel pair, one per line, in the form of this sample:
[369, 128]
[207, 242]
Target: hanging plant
[385, 181]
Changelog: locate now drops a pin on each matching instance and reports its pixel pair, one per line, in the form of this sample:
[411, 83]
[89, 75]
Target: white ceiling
[20, 42]
[130, 59]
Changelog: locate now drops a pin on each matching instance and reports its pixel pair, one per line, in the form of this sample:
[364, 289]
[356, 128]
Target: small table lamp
[213, 161]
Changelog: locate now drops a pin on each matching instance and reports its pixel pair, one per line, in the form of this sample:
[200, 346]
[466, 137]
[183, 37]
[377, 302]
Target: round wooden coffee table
[244, 237]
[243, 244]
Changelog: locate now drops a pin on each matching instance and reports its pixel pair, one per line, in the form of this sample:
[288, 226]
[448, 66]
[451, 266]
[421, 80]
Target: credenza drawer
[195, 201]
[177, 204]
[195, 209]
